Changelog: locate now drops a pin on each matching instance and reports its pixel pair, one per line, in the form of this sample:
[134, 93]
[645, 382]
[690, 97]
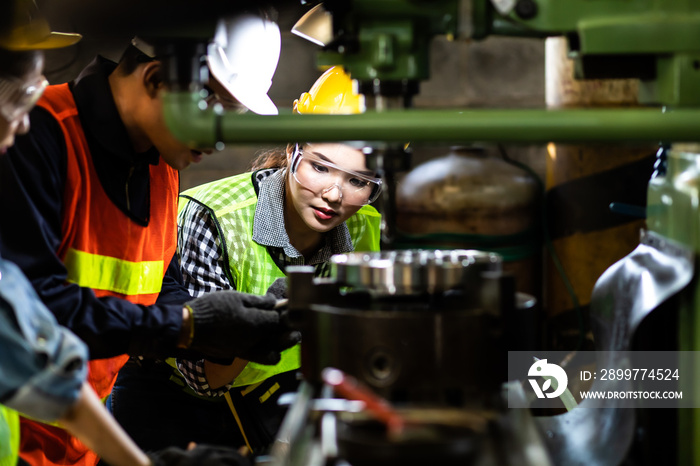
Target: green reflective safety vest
[231, 203]
[9, 436]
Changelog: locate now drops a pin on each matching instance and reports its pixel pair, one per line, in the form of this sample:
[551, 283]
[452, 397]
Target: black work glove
[278, 289]
[201, 455]
[230, 324]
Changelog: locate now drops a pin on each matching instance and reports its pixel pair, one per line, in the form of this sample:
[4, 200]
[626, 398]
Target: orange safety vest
[102, 249]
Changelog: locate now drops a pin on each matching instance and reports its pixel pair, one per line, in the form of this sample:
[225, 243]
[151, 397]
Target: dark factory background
[560, 215]
[497, 72]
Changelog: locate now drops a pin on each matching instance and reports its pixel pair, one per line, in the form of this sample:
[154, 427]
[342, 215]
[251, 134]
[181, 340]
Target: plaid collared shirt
[202, 263]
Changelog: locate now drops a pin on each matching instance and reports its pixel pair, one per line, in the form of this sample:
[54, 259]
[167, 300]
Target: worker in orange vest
[91, 192]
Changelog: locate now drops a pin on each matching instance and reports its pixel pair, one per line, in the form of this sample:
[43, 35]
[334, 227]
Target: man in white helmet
[92, 193]
[242, 58]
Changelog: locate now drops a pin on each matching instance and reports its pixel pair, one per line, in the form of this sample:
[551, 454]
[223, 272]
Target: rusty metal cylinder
[470, 200]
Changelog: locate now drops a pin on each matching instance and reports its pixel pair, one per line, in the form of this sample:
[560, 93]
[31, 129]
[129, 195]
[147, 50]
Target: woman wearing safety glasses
[299, 207]
[341, 188]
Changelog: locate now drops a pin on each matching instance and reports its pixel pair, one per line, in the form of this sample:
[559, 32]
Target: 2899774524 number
[639, 374]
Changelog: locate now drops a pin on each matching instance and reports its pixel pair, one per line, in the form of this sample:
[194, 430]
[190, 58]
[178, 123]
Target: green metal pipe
[205, 128]
[194, 125]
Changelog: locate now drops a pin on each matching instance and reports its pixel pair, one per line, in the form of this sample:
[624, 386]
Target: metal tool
[281, 303]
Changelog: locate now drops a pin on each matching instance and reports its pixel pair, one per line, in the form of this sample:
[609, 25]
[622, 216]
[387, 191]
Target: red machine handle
[349, 387]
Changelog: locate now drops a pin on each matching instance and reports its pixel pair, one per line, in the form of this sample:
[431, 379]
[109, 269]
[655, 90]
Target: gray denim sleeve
[43, 365]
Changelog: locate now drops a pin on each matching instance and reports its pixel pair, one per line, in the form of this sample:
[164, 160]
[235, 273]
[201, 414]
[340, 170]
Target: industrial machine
[385, 47]
[426, 331]
[371, 318]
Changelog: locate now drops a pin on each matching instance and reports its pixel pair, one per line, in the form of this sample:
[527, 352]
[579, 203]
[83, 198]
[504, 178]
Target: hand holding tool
[230, 324]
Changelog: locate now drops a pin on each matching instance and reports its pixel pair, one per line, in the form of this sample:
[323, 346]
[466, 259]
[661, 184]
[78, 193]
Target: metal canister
[470, 200]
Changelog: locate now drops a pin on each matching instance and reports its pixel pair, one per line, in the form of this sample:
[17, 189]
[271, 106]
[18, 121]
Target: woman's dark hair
[17, 64]
[271, 158]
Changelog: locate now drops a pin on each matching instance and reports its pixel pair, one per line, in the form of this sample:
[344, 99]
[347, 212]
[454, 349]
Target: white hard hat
[243, 57]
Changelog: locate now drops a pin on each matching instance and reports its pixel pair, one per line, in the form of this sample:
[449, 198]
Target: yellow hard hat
[333, 93]
[29, 29]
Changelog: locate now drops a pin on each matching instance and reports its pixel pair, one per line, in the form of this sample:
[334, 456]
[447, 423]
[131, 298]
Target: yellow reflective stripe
[250, 388]
[236, 206]
[263, 398]
[112, 274]
[227, 395]
[9, 436]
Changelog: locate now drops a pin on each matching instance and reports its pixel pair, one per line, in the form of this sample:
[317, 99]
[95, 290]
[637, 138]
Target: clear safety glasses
[320, 176]
[18, 97]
